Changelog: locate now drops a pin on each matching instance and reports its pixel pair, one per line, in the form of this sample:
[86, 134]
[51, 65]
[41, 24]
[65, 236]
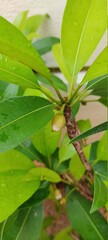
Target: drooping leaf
[45, 45]
[99, 128]
[43, 174]
[60, 61]
[84, 23]
[17, 73]
[56, 80]
[46, 141]
[14, 45]
[14, 191]
[101, 170]
[88, 225]
[23, 224]
[21, 117]
[100, 194]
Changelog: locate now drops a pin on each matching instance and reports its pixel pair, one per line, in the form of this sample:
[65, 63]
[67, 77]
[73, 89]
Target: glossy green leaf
[46, 141]
[88, 225]
[36, 198]
[102, 154]
[100, 194]
[56, 80]
[14, 191]
[23, 224]
[84, 23]
[98, 86]
[66, 151]
[99, 128]
[64, 234]
[14, 45]
[60, 61]
[10, 91]
[75, 109]
[14, 159]
[43, 174]
[21, 117]
[84, 125]
[98, 68]
[45, 45]
[101, 169]
[17, 73]
[20, 20]
[33, 23]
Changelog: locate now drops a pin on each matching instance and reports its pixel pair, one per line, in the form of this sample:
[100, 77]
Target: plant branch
[72, 132]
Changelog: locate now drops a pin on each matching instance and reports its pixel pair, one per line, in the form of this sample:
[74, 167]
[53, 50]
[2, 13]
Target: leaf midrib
[19, 76]
[80, 40]
[27, 214]
[91, 221]
[25, 115]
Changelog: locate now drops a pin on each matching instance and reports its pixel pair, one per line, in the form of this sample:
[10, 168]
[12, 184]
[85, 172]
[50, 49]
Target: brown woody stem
[72, 133]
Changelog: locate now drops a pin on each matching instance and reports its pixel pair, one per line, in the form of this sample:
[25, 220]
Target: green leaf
[102, 154]
[20, 20]
[10, 91]
[99, 128]
[66, 151]
[76, 167]
[101, 170]
[3, 86]
[14, 191]
[75, 109]
[64, 234]
[60, 61]
[98, 68]
[21, 117]
[46, 141]
[98, 86]
[37, 198]
[56, 80]
[28, 149]
[14, 45]
[23, 224]
[84, 125]
[100, 194]
[45, 45]
[43, 174]
[88, 225]
[84, 23]
[14, 159]
[33, 23]
[17, 73]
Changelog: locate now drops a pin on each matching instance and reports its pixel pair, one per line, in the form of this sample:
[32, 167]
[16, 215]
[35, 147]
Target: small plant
[44, 150]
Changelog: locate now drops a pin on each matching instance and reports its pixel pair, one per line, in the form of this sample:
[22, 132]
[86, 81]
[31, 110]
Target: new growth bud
[58, 122]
